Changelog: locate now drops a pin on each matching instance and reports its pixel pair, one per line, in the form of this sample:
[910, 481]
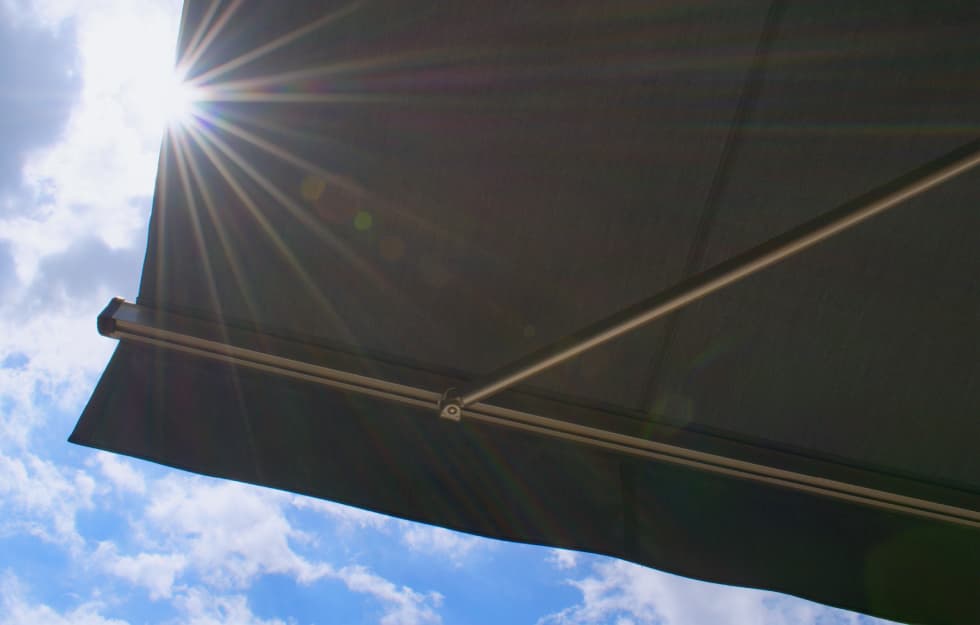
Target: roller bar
[138, 324]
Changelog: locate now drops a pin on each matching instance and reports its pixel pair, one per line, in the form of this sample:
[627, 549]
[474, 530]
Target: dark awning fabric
[427, 190]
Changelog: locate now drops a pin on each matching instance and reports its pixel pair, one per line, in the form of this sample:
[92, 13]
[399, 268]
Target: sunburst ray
[210, 31]
[309, 284]
[277, 43]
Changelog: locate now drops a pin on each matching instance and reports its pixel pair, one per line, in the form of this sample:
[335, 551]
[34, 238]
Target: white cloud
[64, 354]
[108, 154]
[563, 559]
[18, 414]
[95, 182]
[15, 609]
[154, 571]
[348, 517]
[199, 607]
[624, 593]
[403, 606]
[42, 499]
[120, 472]
[230, 532]
[438, 541]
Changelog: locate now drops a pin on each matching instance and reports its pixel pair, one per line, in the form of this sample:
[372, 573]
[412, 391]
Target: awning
[388, 216]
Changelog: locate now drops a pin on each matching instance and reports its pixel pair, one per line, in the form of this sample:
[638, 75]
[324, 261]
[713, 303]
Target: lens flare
[177, 100]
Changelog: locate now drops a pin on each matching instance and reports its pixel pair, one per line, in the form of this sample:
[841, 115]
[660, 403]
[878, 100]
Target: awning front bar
[138, 324]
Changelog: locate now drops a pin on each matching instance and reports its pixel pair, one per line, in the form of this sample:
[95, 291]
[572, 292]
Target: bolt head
[451, 411]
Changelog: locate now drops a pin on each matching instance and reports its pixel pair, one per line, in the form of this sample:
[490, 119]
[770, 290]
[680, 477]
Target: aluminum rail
[718, 277]
[138, 324]
[132, 322]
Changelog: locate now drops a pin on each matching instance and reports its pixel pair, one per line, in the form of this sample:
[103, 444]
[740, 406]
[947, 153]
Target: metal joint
[450, 405]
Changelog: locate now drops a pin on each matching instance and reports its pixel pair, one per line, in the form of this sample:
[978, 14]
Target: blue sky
[97, 539]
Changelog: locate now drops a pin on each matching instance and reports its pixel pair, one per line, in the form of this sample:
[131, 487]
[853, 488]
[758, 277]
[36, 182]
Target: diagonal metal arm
[718, 277]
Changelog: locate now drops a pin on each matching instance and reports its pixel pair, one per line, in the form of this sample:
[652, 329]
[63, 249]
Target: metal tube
[131, 322]
[726, 273]
[138, 324]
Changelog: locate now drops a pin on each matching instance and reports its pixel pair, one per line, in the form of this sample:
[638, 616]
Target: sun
[169, 101]
[177, 100]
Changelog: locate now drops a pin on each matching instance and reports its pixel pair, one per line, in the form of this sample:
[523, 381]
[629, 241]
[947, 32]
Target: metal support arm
[718, 277]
